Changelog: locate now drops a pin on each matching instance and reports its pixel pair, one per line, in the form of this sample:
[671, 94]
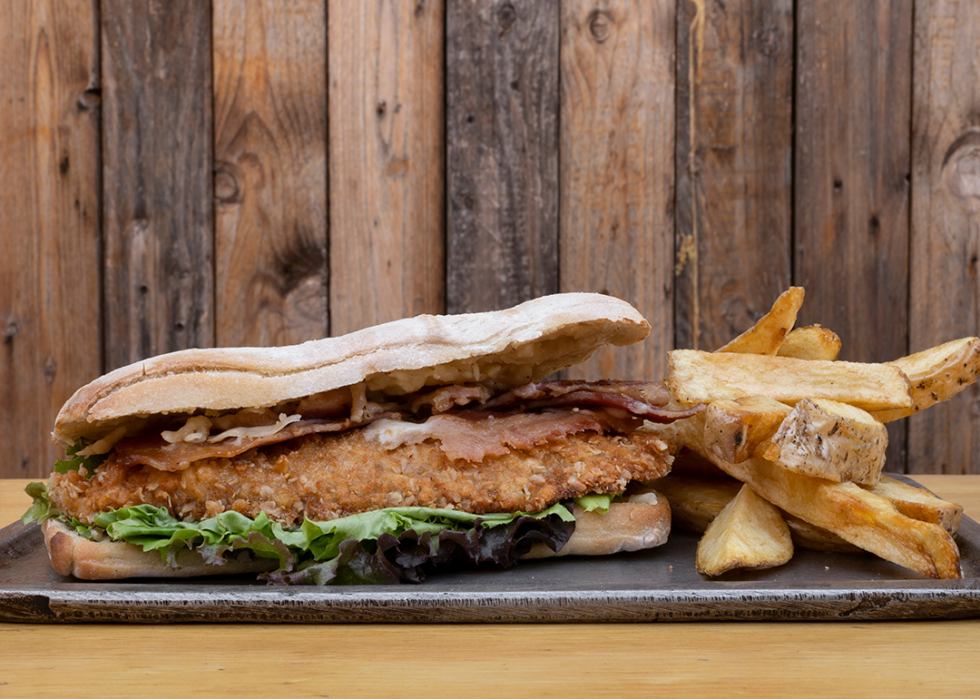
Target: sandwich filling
[355, 486]
[341, 454]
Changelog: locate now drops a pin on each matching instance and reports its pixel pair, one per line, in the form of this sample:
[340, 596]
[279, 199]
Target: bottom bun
[642, 522]
[73, 554]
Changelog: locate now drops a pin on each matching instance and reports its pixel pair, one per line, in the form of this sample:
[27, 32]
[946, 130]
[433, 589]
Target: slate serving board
[657, 585]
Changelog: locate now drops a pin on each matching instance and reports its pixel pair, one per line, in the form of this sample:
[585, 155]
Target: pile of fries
[790, 450]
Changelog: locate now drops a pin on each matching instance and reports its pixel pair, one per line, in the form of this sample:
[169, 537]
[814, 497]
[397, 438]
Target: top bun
[509, 347]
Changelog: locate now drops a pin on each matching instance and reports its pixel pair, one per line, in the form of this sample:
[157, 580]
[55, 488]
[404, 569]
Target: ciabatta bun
[509, 347]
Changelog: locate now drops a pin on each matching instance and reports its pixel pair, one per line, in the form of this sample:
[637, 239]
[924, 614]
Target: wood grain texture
[157, 150]
[386, 141]
[502, 152]
[49, 196]
[852, 166]
[945, 289]
[851, 191]
[270, 120]
[734, 165]
[547, 660]
[617, 175]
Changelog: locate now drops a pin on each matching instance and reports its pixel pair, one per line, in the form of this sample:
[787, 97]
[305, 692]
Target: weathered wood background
[186, 173]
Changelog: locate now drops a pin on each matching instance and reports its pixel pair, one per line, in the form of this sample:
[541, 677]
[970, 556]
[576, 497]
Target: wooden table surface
[818, 659]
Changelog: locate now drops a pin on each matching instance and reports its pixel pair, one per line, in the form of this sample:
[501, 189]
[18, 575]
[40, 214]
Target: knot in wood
[89, 99]
[961, 169]
[600, 25]
[10, 329]
[139, 226]
[226, 188]
[50, 369]
[464, 196]
[506, 17]
[874, 225]
[765, 39]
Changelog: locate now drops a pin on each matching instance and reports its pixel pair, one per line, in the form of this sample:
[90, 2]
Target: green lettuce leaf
[323, 539]
[41, 509]
[74, 461]
[594, 502]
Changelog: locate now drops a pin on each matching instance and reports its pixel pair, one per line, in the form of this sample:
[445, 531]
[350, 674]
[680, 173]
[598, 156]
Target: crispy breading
[323, 477]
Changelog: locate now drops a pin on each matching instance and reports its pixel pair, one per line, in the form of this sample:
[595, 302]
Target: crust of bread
[627, 526]
[513, 346]
[73, 554]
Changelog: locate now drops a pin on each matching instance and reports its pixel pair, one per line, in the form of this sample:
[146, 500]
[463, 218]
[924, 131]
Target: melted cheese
[392, 434]
[105, 444]
[195, 431]
[258, 431]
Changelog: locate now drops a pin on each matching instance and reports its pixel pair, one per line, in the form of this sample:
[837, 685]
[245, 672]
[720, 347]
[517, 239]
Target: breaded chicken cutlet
[323, 477]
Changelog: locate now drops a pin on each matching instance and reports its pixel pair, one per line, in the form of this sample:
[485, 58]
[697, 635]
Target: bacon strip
[653, 413]
[647, 392]
[642, 399]
[447, 397]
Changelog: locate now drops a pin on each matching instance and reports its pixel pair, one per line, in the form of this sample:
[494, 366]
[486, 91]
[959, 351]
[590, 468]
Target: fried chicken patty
[326, 476]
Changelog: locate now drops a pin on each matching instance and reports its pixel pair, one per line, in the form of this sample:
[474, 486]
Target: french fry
[858, 516]
[748, 533]
[736, 428]
[937, 374]
[829, 439]
[919, 503]
[807, 536]
[703, 377]
[811, 342]
[766, 336]
[695, 501]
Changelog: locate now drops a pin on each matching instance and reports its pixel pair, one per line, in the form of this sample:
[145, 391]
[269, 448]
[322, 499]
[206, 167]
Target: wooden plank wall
[270, 171]
[179, 174]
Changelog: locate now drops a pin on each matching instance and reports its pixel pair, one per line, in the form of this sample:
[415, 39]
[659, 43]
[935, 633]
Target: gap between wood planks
[687, 253]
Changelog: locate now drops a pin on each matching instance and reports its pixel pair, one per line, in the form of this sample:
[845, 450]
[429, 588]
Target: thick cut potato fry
[695, 501]
[811, 342]
[734, 429]
[766, 336]
[703, 377]
[829, 439]
[919, 503]
[859, 516]
[748, 533]
[807, 536]
[937, 374]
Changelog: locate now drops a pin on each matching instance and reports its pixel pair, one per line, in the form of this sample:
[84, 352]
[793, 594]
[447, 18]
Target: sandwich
[375, 457]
